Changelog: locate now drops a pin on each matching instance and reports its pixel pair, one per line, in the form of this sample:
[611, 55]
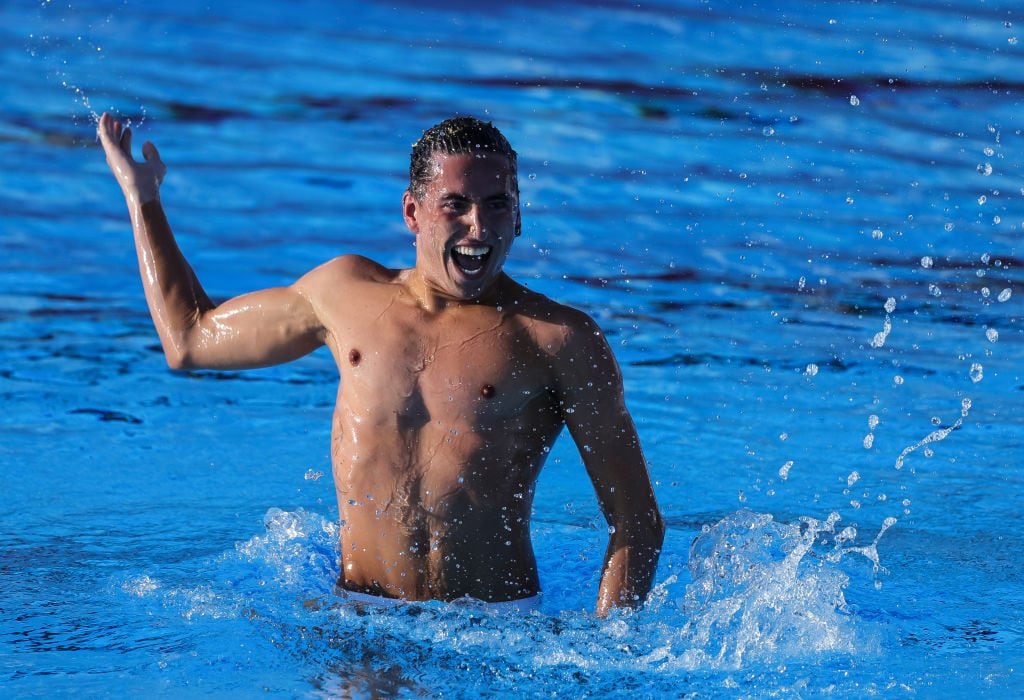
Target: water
[798, 228]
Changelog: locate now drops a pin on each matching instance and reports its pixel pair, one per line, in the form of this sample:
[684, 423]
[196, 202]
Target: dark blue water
[799, 227]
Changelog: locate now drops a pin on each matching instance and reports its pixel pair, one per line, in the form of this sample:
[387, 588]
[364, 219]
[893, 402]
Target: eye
[454, 206]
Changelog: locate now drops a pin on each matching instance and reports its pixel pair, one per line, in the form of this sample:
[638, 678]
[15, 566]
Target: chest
[473, 369]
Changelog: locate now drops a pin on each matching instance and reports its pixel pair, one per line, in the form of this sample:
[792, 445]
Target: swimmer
[455, 380]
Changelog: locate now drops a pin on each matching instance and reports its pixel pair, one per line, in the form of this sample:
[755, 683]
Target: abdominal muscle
[424, 517]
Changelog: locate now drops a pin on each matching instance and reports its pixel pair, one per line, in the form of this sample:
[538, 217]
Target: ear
[519, 215]
[410, 209]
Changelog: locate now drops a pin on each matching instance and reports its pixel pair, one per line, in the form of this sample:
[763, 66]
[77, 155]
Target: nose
[475, 220]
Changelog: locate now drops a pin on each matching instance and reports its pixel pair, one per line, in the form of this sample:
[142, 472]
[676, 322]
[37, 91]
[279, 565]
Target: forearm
[630, 564]
[176, 299]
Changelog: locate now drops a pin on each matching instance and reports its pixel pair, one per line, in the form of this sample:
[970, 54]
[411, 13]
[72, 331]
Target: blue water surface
[799, 226]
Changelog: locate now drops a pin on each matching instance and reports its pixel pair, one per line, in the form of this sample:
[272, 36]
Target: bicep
[257, 329]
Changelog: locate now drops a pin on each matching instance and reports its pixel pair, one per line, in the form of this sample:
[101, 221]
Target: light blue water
[800, 228]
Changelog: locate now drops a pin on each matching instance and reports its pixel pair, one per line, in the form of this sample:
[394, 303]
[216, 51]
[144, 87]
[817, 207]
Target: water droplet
[1005, 295]
[784, 470]
[869, 441]
[985, 169]
[977, 373]
[854, 100]
[811, 370]
[877, 234]
[927, 262]
[992, 334]
[890, 305]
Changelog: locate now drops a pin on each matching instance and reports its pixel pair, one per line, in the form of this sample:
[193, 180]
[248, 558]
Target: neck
[432, 300]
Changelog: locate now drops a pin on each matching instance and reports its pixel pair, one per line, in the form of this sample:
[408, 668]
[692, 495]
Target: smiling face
[464, 222]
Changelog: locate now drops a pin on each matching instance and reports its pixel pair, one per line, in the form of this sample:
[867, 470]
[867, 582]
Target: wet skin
[454, 383]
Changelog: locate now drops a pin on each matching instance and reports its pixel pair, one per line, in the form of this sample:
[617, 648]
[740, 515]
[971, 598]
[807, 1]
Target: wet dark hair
[458, 135]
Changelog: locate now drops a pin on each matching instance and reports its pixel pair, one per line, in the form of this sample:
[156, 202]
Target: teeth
[472, 250]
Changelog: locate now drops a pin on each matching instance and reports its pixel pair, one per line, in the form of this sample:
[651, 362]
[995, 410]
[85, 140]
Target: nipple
[487, 391]
[354, 356]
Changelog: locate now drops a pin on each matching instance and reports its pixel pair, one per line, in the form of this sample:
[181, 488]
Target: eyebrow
[455, 196]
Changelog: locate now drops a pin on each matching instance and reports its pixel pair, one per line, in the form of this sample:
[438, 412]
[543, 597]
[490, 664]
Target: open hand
[140, 181]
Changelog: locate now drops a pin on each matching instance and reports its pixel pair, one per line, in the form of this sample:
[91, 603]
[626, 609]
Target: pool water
[799, 229]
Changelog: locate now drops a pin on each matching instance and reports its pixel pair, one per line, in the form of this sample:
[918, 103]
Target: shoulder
[343, 271]
[355, 267]
[584, 368]
[558, 327]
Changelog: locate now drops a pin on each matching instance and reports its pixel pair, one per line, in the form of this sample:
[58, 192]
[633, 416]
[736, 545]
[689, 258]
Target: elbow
[657, 529]
[177, 357]
[647, 533]
[176, 362]
[179, 349]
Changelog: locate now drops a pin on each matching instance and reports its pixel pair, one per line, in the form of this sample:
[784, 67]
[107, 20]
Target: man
[455, 381]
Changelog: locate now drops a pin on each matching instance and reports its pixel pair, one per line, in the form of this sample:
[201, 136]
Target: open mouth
[471, 259]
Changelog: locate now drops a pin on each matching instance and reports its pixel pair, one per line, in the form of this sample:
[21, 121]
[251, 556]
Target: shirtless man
[455, 380]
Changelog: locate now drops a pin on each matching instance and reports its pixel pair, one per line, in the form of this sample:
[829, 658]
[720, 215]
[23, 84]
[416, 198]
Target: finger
[126, 142]
[107, 129]
[150, 153]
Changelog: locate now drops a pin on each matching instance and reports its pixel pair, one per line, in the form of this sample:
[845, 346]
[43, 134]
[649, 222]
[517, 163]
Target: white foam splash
[760, 594]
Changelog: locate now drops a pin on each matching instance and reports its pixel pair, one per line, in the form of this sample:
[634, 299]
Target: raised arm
[596, 414]
[257, 329]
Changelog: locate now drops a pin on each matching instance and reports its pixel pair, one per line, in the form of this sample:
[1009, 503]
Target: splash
[880, 337]
[761, 593]
[73, 55]
[935, 435]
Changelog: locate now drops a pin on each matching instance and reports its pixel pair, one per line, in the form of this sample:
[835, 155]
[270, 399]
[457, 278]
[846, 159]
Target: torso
[443, 420]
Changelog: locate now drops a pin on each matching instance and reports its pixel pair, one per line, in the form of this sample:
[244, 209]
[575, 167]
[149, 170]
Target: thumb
[149, 152]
